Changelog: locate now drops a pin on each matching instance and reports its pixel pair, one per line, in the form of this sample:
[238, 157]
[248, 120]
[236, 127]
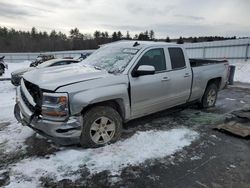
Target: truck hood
[22, 71]
[52, 78]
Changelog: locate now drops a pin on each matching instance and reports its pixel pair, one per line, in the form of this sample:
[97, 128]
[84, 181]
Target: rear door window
[177, 58]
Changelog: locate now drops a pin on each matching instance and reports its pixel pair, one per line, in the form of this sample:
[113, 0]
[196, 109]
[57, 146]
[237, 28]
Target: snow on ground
[12, 134]
[132, 151]
[12, 138]
[7, 100]
[13, 67]
[68, 162]
[242, 72]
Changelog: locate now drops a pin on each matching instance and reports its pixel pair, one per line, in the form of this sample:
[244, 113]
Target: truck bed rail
[201, 62]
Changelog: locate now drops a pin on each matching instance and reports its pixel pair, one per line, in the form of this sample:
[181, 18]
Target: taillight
[228, 69]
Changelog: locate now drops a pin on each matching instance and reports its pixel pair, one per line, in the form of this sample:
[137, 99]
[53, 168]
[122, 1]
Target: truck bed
[203, 70]
[201, 62]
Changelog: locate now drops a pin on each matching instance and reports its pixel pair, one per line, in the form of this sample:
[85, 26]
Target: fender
[96, 95]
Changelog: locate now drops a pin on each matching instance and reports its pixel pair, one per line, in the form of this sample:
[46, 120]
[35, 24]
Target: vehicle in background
[80, 58]
[3, 65]
[68, 58]
[17, 75]
[121, 81]
[40, 59]
[83, 56]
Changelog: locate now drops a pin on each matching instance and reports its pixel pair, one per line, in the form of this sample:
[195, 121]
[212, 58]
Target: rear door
[149, 92]
[180, 76]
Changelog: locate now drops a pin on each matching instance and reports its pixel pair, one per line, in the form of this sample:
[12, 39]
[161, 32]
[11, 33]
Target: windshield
[112, 59]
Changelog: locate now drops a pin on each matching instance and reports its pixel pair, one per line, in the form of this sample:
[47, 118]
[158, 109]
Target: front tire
[210, 96]
[101, 125]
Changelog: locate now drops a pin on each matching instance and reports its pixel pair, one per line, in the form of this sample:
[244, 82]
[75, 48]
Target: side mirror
[143, 70]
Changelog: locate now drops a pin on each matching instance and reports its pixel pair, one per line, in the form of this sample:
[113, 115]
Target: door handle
[165, 79]
[186, 75]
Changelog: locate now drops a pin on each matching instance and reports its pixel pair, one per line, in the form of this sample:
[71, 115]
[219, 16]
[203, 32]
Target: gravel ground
[213, 159]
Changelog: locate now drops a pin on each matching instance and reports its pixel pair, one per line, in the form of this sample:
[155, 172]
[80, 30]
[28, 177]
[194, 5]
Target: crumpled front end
[28, 111]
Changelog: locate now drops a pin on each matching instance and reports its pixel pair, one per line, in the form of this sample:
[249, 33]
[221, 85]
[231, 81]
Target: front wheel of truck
[101, 125]
[210, 96]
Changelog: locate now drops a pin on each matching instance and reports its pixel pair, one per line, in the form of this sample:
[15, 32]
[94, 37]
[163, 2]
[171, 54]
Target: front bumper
[64, 133]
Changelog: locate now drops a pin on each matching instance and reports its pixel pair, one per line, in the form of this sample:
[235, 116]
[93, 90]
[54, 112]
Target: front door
[149, 92]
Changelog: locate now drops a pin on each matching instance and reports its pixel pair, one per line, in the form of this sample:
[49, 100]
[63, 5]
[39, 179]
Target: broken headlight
[55, 106]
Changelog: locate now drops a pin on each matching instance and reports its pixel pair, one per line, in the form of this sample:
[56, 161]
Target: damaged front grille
[34, 91]
[25, 100]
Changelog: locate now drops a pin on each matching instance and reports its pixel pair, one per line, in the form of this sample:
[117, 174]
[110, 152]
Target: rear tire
[210, 96]
[101, 125]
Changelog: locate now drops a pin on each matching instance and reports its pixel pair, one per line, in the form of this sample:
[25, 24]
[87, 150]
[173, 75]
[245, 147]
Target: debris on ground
[235, 128]
[244, 113]
[237, 124]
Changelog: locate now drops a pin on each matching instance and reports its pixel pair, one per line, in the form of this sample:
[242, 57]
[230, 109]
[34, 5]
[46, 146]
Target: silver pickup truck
[88, 102]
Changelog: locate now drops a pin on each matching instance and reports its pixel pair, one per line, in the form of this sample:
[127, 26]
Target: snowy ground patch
[13, 67]
[7, 100]
[12, 134]
[133, 151]
[242, 72]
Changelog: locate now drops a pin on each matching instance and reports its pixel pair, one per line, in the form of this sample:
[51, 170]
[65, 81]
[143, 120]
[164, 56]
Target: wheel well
[117, 104]
[216, 81]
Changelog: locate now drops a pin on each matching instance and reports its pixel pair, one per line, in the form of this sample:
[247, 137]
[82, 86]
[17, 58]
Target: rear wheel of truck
[101, 125]
[210, 96]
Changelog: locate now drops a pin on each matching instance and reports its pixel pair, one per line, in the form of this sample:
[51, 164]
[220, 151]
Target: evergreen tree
[151, 35]
[194, 40]
[128, 35]
[143, 36]
[167, 39]
[114, 36]
[119, 35]
[33, 32]
[136, 37]
[146, 35]
[180, 41]
[75, 33]
[106, 34]
[12, 40]
[97, 34]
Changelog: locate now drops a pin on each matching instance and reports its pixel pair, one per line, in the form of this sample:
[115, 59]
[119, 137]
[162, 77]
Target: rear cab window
[177, 58]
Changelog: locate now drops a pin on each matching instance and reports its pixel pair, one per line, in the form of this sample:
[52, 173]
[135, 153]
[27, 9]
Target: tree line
[12, 40]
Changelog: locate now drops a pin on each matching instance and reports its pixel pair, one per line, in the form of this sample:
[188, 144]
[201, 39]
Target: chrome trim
[27, 94]
[24, 109]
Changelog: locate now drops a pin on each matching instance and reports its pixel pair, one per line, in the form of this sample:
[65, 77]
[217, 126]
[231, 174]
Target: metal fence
[234, 50]
[237, 50]
[20, 57]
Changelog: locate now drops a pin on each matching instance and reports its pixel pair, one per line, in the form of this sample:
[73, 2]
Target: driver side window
[155, 58]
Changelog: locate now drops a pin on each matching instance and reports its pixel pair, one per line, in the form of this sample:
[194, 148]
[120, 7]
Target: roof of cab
[139, 44]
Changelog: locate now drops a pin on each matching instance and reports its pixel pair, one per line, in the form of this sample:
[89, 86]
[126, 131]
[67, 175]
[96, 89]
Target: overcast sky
[172, 18]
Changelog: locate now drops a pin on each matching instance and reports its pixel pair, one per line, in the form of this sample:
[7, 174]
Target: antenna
[136, 44]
